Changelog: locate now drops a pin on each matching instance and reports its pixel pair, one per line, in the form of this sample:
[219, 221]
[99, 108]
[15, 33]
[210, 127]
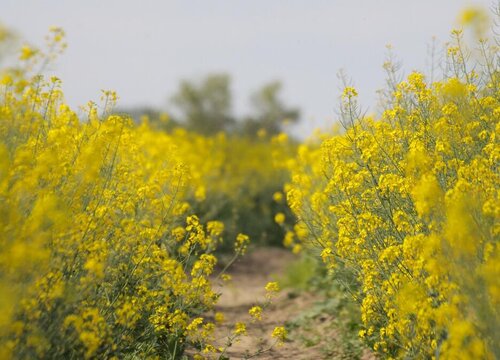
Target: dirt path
[250, 275]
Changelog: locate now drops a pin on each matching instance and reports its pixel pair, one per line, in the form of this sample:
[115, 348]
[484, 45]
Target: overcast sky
[142, 49]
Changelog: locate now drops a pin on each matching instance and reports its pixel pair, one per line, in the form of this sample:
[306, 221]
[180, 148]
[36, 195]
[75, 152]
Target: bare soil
[250, 275]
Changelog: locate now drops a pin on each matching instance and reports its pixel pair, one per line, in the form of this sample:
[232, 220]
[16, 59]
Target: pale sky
[142, 49]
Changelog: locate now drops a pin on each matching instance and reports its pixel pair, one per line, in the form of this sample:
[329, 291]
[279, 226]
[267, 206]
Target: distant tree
[270, 112]
[205, 107]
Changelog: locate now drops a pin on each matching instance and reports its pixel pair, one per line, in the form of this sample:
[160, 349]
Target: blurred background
[258, 58]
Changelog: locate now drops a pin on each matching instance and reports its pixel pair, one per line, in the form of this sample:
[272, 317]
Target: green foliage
[270, 112]
[241, 184]
[205, 107]
[300, 273]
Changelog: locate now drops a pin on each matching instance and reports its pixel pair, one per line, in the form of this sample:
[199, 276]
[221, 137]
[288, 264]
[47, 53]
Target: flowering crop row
[100, 253]
[405, 210]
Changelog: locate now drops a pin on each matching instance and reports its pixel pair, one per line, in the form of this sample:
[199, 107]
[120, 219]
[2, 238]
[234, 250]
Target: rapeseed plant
[404, 209]
[101, 252]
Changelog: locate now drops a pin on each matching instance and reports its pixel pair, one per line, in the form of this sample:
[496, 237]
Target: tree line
[205, 106]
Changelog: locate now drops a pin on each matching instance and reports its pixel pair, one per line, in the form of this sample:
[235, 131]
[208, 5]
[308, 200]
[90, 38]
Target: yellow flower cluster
[405, 212]
[280, 334]
[100, 256]
[233, 180]
[256, 313]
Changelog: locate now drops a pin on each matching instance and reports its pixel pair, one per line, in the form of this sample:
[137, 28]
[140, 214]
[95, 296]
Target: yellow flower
[349, 92]
[279, 218]
[280, 334]
[27, 52]
[271, 289]
[219, 317]
[241, 243]
[297, 248]
[240, 328]
[256, 312]
[278, 196]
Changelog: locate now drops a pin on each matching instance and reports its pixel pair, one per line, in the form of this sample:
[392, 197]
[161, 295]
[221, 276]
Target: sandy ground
[250, 274]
